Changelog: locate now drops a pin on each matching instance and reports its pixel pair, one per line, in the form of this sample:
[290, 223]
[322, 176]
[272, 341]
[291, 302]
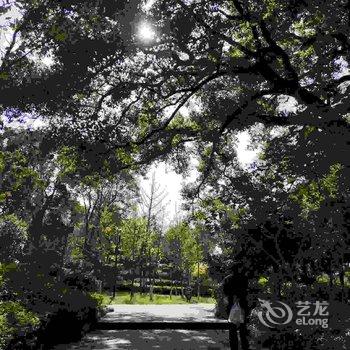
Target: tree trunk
[342, 280]
[182, 287]
[115, 272]
[150, 282]
[132, 290]
[189, 278]
[198, 282]
[331, 282]
[35, 229]
[142, 279]
[171, 286]
[133, 275]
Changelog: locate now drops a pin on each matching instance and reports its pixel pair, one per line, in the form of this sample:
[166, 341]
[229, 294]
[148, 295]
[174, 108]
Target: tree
[277, 219]
[34, 192]
[135, 240]
[103, 196]
[153, 208]
[277, 69]
[184, 251]
[256, 53]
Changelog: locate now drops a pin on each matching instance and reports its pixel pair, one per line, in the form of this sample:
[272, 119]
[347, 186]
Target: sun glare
[146, 33]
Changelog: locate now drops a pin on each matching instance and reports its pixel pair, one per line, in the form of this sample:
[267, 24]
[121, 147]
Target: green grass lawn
[158, 299]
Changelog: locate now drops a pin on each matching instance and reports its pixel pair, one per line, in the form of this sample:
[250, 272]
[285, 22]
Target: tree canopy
[88, 105]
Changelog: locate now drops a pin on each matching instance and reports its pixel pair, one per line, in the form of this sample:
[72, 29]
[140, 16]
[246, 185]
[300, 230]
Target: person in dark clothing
[235, 287]
[188, 293]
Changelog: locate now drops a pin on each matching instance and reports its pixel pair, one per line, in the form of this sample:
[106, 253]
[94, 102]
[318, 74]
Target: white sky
[148, 4]
[5, 31]
[173, 183]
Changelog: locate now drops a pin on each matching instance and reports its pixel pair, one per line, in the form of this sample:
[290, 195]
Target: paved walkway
[140, 327]
[152, 339]
[163, 313]
[161, 339]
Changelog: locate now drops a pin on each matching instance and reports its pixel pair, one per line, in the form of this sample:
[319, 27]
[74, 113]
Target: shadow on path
[151, 339]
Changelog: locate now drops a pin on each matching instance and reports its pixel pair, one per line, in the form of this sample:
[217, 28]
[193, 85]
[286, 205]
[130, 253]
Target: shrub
[73, 313]
[14, 318]
[81, 278]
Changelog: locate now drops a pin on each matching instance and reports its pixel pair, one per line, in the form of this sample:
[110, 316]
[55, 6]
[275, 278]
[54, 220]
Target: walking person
[235, 287]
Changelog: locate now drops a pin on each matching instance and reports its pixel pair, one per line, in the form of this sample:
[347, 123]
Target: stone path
[152, 339]
[131, 333]
[148, 339]
[163, 313]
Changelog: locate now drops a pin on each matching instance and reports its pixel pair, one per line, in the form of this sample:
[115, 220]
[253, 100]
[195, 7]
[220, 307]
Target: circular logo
[274, 313]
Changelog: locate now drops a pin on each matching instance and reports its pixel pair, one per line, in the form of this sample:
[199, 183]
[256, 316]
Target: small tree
[184, 250]
[152, 207]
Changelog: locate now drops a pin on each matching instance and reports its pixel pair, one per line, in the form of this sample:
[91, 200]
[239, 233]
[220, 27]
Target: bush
[80, 278]
[100, 299]
[72, 313]
[68, 310]
[14, 320]
[6, 332]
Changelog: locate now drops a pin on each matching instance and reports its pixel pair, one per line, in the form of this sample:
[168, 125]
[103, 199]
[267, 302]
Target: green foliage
[110, 231]
[18, 173]
[13, 218]
[306, 53]
[146, 119]
[289, 43]
[202, 166]
[199, 215]
[263, 281]
[2, 162]
[308, 131]
[176, 140]
[266, 106]
[310, 196]
[330, 182]
[78, 208]
[134, 236]
[201, 272]
[100, 299]
[6, 332]
[67, 159]
[58, 33]
[186, 246]
[244, 35]
[235, 52]
[4, 269]
[22, 316]
[13, 317]
[108, 224]
[233, 215]
[76, 245]
[307, 27]
[13, 236]
[4, 75]
[181, 122]
[139, 299]
[124, 157]
[92, 180]
[323, 279]
[271, 6]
